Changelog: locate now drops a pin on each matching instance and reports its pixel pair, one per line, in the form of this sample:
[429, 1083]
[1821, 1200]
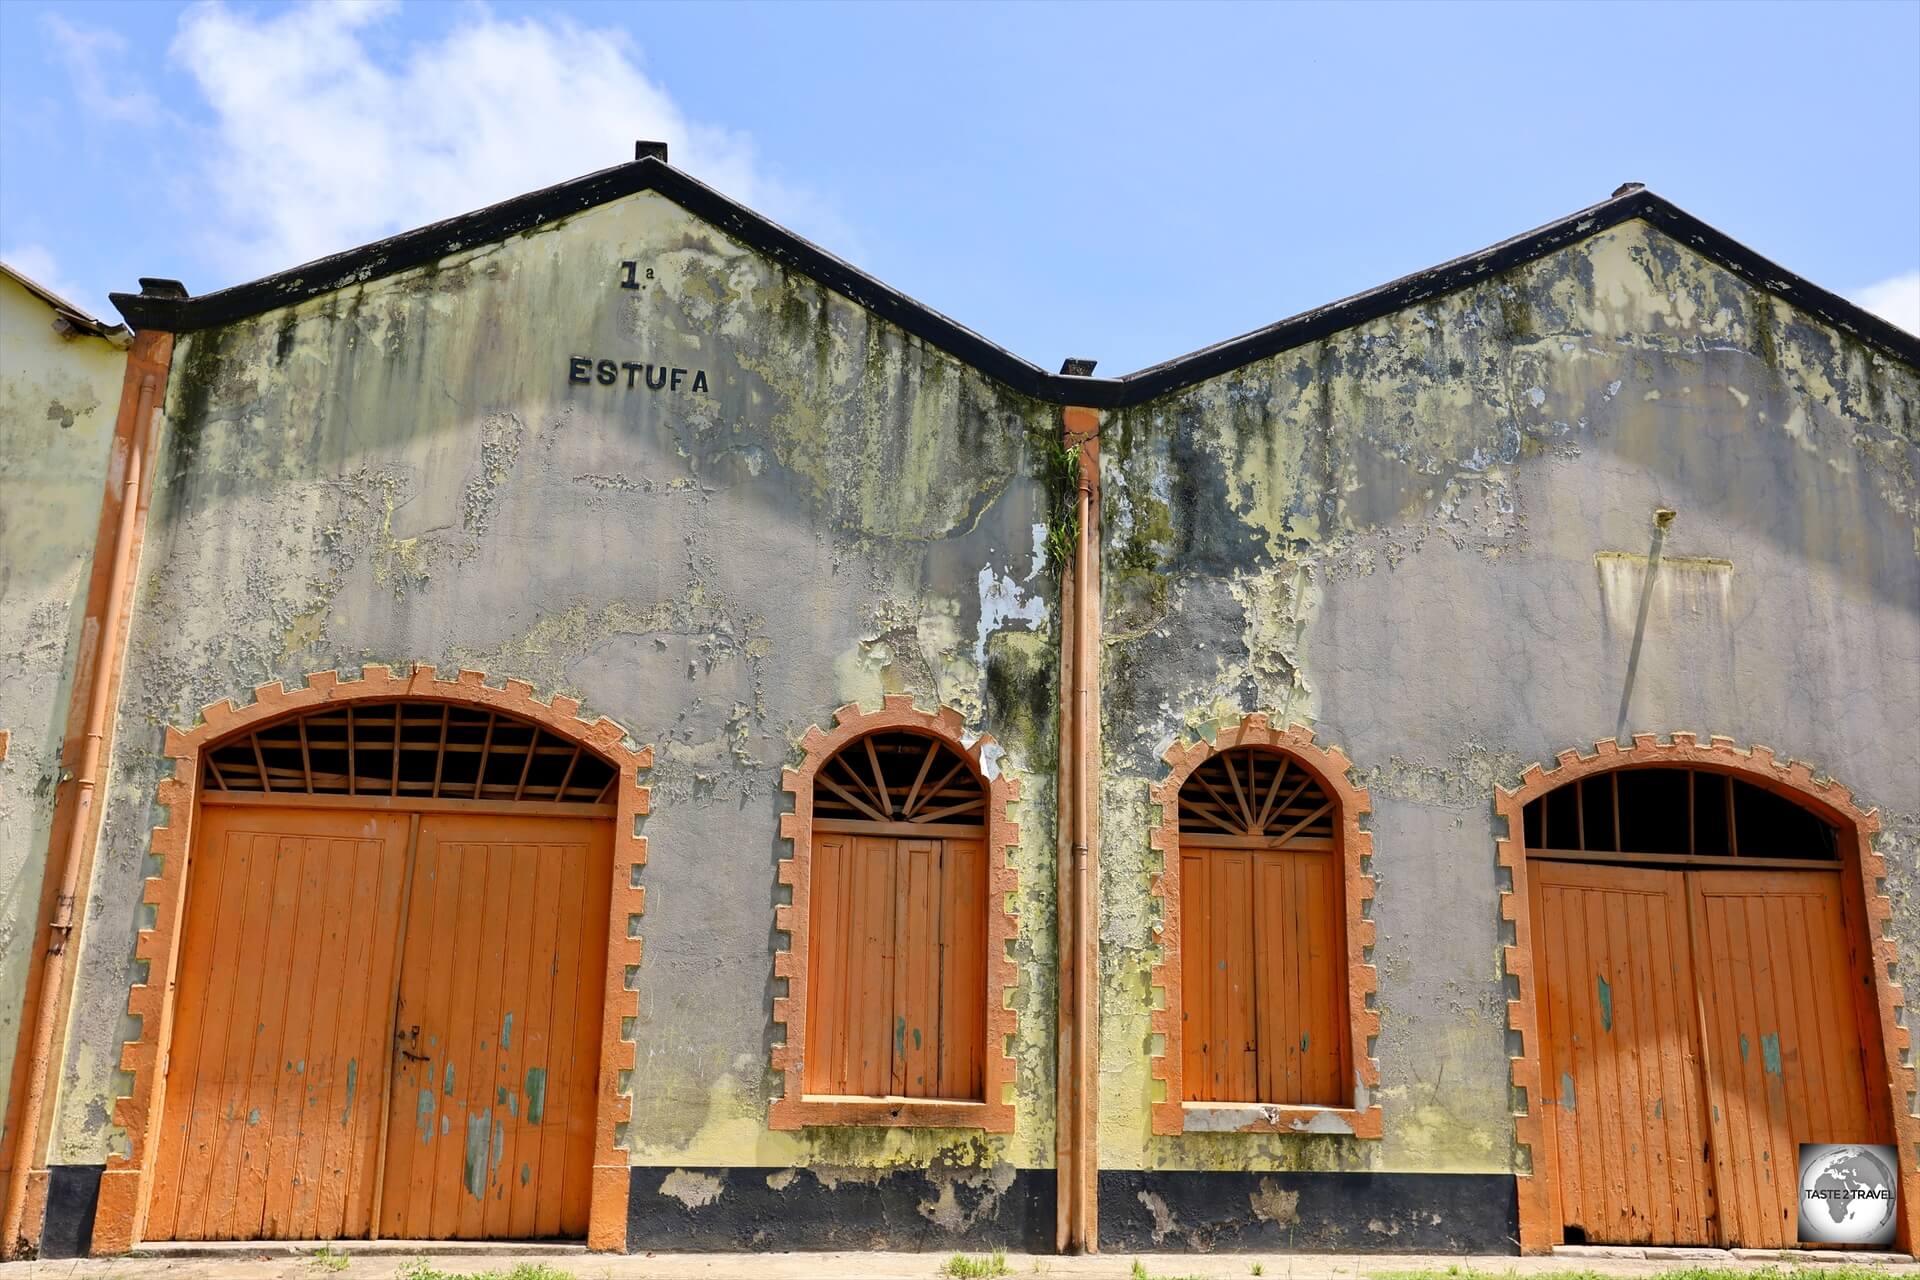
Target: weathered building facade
[620, 726]
[61, 372]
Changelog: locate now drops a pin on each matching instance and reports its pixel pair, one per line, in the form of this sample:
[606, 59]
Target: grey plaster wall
[404, 471]
[59, 397]
[1427, 539]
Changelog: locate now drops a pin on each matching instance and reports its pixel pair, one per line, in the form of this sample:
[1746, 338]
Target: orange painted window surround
[1266, 1022]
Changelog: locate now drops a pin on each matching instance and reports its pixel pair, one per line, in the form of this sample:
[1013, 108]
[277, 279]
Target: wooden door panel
[1623, 1105]
[281, 1026]
[916, 978]
[498, 1030]
[963, 971]
[1222, 1019]
[870, 970]
[1785, 1053]
[828, 915]
[1196, 911]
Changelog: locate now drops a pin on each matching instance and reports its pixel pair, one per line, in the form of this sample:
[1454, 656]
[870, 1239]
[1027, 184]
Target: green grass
[421, 1269]
[1140, 1272]
[965, 1268]
[328, 1258]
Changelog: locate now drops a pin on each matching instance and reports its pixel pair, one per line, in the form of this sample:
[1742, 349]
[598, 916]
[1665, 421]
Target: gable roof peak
[649, 171]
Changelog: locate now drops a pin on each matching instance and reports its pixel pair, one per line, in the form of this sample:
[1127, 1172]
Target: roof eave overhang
[528, 212]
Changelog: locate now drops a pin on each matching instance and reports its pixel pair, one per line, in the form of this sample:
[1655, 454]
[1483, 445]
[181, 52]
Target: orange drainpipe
[1080, 978]
[76, 821]
[1065, 1111]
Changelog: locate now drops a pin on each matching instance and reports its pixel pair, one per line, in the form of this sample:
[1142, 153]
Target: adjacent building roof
[67, 317]
[163, 305]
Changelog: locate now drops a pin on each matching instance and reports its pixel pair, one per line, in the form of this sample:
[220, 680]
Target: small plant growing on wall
[1060, 477]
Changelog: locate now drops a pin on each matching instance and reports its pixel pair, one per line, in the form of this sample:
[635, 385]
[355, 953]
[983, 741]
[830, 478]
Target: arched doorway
[1702, 991]
[394, 965]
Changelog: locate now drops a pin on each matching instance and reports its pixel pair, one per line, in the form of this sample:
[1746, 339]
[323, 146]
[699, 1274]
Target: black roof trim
[524, 213]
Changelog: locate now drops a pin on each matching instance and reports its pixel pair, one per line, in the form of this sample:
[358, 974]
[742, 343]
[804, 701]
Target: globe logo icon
[1848, 1194]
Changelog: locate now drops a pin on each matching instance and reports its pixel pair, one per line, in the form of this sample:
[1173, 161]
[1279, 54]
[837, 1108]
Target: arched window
[1266, 1021]
[1262, 942]
[898, 994]
[410, 751]
[1667, 815]
[897, 971]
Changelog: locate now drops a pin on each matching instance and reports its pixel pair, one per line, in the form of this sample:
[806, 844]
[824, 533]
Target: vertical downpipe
[1082, 428]
[1066, 950]
[60, 928]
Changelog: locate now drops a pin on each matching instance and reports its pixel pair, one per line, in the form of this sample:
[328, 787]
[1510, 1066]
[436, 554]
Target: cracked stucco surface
[58, 401]
[402, 472]
[1425, 537]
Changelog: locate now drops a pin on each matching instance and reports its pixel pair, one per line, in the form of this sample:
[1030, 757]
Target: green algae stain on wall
[1259, 526]
[845, 512]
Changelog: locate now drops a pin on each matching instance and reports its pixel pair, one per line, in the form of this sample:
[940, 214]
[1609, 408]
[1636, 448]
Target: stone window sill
[1261, 1117]
[894, 1111]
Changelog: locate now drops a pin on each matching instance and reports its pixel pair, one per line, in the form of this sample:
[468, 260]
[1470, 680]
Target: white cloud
[1896, 299]
[37, 263]
[318, 145]
[86, 51]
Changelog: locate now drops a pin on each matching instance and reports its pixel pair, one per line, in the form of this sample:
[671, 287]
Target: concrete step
[360, 1248]
[1682, 1253]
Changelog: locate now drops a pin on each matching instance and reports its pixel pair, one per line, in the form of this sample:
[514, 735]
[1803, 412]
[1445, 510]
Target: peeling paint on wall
[402, 471]
[1422, 536]
[1393, 535]
[59, 397]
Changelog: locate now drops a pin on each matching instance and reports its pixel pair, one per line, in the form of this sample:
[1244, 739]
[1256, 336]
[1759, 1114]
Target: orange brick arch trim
[1795, 781]
[1329, 767]
[794, 1110]
[121, 1215]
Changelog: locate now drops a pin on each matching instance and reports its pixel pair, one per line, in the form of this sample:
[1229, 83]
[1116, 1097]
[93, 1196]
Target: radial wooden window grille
[409, 750]
[1257, 796]
[1666, 814]
[899, 778]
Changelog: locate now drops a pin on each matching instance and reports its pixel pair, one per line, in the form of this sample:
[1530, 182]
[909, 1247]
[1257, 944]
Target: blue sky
[1126, 182]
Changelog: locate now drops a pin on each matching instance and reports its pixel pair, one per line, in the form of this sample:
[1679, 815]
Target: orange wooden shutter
[491, 1123]
[830, 893]
[271, 1125]
[896, 1000]
[1263, 978]
[963, 970]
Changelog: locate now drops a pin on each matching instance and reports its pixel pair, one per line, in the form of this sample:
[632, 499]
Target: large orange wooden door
[1696, 1027]
[497, 1040]
[897, 1001]
[281, 1026]
[1784, 1039]
[1619, 1059]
